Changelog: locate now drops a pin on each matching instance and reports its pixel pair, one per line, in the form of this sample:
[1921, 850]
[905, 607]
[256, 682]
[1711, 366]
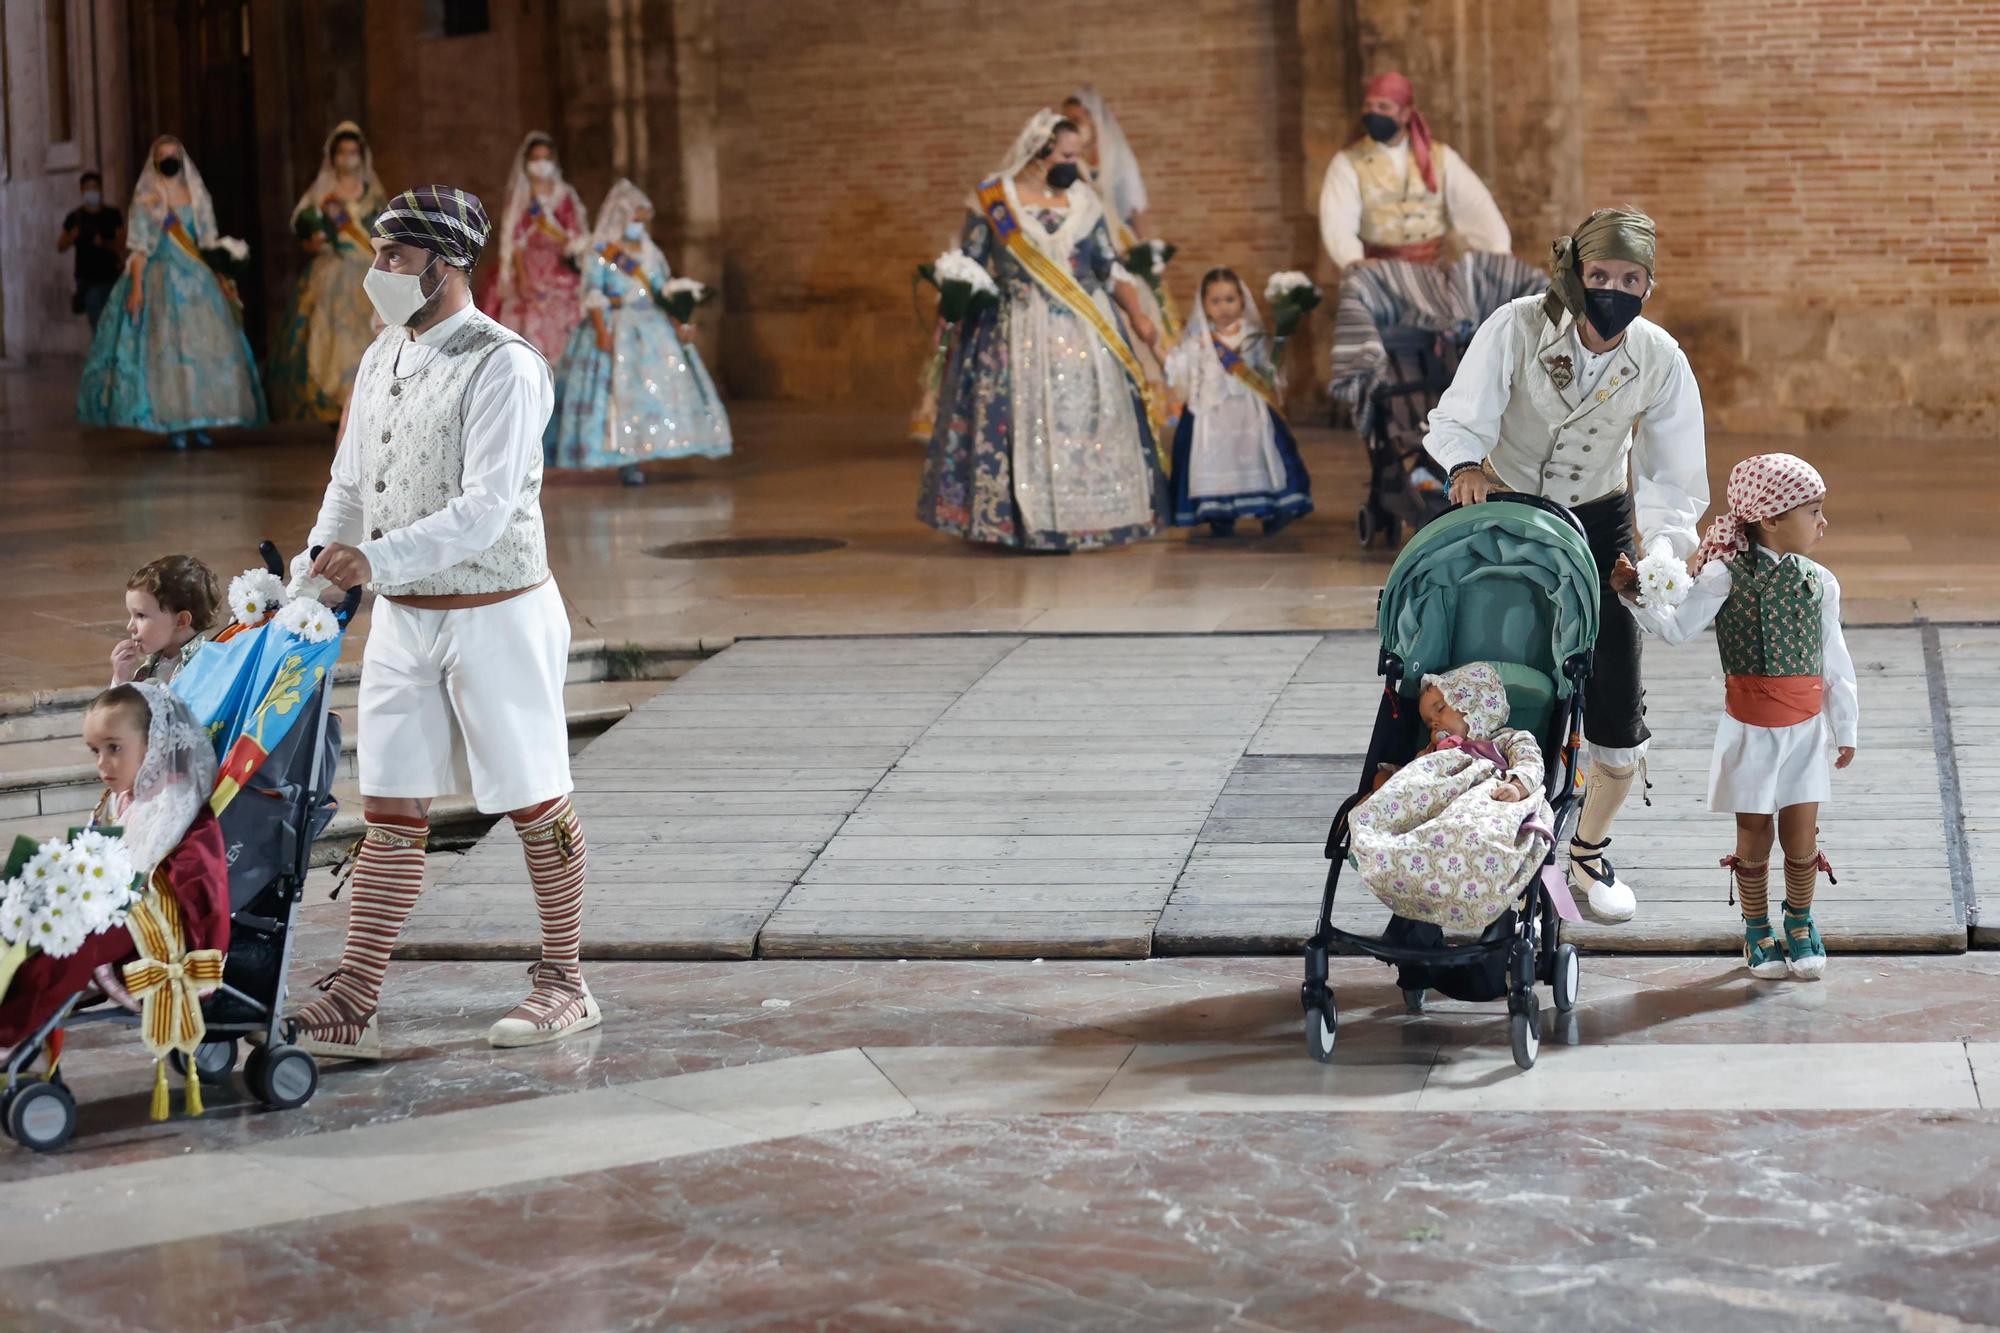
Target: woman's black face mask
[170, 166]
[1062, 175]
[1610, 312]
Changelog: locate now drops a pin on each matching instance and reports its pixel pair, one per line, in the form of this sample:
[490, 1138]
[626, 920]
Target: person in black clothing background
[96, 232]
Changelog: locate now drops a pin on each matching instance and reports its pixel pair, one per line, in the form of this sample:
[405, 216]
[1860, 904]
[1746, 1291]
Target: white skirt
[1761, 770]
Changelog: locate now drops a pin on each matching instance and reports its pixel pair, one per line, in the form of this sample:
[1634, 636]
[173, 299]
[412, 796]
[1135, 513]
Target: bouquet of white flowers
[229, 256]
[57, 895]
[1149, 259]
[1291, 296]
[964, 286]
[1663, 581]
[254, 595]
[681, 295]
[309, 620]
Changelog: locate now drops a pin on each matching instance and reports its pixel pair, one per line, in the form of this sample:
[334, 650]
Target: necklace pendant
[395, 390]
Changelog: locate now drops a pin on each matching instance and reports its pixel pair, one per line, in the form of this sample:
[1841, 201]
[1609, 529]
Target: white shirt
[1704, 602]
[506, 409]
[1669, 443]
[1468, 206]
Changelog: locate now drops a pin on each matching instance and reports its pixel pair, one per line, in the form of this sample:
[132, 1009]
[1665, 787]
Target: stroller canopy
[1504, 582]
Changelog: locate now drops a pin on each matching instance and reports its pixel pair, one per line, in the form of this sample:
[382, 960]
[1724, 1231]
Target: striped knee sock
[1753, 888]
[388, 876]
[552, 840]
[1801, 879]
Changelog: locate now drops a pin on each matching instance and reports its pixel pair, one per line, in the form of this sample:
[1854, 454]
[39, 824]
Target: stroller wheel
[1320, 1025]
[1366, 526]
[41, 1116]
[282, 1077]
[1413, 999]
[1524, 1030]
[212, 1060]
[1568, 973]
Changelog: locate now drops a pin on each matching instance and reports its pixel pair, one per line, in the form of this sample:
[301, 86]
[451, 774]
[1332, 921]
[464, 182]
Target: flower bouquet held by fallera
[964, 289]
[1291, 296]
[58, 894]
[1148, 262]
[680, 296]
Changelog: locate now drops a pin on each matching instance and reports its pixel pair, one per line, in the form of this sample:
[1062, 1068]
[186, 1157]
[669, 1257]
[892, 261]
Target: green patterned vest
[1770, 626]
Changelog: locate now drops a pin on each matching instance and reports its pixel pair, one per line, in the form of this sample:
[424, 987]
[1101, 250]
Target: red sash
[1774, 701]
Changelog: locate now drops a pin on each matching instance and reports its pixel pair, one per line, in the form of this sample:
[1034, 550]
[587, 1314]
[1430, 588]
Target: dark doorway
[191, 78]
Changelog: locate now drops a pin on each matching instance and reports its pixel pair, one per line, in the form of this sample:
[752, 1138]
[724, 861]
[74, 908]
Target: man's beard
[431, 303]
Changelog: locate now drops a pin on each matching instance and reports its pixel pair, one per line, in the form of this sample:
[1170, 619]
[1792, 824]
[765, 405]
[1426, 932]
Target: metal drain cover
[739, 548]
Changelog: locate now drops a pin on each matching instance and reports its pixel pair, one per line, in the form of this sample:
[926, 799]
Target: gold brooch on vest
[1561, 370]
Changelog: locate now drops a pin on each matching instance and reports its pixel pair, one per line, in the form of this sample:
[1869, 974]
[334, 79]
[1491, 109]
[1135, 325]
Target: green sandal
[1805, 951]
[1761, 951]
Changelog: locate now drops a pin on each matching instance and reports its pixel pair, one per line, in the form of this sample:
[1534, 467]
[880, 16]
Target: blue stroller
[1510, 582]
[281, 800]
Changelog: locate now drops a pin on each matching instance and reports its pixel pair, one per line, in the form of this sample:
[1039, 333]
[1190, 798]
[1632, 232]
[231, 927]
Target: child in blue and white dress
[631, 388]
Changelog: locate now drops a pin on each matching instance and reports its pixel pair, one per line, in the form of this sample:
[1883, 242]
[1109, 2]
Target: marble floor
[1059, 1145]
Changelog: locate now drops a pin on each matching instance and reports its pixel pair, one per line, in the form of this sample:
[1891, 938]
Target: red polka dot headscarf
[1759, 488]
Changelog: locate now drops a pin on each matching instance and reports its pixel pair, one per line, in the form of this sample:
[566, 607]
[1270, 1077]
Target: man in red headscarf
[1394, 192]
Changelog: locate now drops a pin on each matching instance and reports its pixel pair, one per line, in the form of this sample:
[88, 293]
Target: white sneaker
[1594, 880]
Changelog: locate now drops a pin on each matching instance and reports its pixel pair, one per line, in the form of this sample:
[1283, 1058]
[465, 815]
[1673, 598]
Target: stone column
[697, 84]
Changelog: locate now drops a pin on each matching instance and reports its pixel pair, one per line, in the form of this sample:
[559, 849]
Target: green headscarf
[1609, 233]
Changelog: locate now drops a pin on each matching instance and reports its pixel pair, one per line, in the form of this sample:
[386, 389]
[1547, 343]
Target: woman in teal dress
[632, 387]
[328, 322]
[169, 356]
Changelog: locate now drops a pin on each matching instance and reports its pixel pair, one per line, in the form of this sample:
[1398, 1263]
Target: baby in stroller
[1445, 839]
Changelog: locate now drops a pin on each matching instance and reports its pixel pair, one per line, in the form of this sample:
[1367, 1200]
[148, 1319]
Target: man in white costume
[1395, 193]
[1574, 397]
[435, 503]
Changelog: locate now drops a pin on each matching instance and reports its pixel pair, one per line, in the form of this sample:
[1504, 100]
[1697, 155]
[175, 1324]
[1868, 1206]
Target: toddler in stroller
[1509, 588]
[233, 841]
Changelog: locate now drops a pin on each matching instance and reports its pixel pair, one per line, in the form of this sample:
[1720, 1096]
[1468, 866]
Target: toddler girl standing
[1234, 456]
[1790, 692]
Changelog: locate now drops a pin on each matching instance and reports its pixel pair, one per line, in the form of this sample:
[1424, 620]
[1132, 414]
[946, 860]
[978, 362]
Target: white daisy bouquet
[964, 286]
[1663, 581]
[255, 596]
[681, 295]
[58, 894]
[1149, 260]
[310, 620]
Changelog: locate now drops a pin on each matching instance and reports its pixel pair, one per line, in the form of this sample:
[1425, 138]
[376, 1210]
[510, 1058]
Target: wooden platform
[1128, 796]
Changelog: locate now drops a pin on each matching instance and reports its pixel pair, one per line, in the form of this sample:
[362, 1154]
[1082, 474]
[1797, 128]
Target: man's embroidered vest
[1397, 208]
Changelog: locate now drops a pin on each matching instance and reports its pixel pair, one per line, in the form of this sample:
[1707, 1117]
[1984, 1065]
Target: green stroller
[1510, 582]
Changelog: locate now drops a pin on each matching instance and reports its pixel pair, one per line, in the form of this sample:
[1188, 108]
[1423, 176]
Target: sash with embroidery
[334, 210]
[1233, 362]
[549, 227]
[173, 227]
[1059, 283]
[628, 263]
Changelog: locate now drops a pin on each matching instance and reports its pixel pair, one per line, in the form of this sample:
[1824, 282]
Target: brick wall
[853, 134]
[1824, 173]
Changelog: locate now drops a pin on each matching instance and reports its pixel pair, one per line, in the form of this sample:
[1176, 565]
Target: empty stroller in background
[1406, 487]
[278, 808]
[1510, 582]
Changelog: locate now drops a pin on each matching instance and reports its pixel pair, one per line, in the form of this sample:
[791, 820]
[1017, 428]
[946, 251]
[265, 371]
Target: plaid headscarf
[451, 224]
[1759, 488]
[1477, 691]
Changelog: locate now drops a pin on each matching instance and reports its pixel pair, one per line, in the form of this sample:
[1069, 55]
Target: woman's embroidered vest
[412, 434]
[1397, 208]
[1770, 626]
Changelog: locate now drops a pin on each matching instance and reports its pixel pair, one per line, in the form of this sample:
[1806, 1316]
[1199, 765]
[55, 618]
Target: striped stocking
[552, 841]
[1801, 880]
[388, 876]
[1753, 886]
